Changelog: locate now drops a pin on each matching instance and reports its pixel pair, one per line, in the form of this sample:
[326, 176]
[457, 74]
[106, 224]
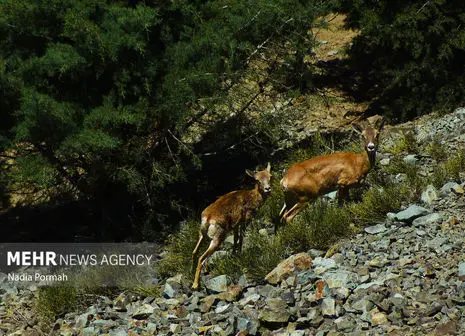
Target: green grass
[54, 301]
[179, 250]
[436, 150]
[448, 170]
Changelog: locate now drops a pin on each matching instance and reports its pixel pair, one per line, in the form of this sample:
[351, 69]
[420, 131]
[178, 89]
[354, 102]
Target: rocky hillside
[404, 275]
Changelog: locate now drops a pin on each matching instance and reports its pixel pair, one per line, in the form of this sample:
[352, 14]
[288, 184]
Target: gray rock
[411, 159]
[362, 305]
[243, 324]
[428, 220]
[314, 316]
[121, 332]
[328, 307]
[331, 196]
[339, 278]
[251, 299]
[321, 265]
[429, 195]
[378, 228]
[89, 331]
[267, 291]
[385, 162]
[437, 243]
[305, 277]
[433, 308]
[314, 253]
[462, 271]
[345, 324]
[221, 309]
[168, 291]
[275, 311]
[411, 213]
[450, 187]
[143, 312]
[217, 284]
[244, 281]
[81, 320]
[460, 111]
[391, 216]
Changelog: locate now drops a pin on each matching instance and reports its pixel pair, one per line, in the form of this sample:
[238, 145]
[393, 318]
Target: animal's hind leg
[283, 209]
[196, 249]
[296, 209]
[214, 244]
[288, 212]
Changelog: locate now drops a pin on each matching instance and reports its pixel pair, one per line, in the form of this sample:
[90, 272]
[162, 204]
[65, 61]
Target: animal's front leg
[241, 235]
[236, 238]
[342, 195]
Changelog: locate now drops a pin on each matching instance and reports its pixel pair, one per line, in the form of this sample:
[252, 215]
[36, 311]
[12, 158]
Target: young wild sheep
[229, 213]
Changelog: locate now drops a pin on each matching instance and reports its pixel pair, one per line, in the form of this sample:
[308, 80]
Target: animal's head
[370, 132]
[263, 178]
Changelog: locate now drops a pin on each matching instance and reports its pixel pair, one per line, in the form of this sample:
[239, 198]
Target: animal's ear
[268, 167]
[377, 121]
[380, 123]
[357, 127]
[250, 173]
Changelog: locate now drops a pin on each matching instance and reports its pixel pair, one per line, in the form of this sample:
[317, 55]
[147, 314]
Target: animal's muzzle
[371, 147]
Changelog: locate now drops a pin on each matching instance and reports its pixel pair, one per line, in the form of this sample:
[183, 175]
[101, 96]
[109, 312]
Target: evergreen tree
[96, 96]
[413, 50]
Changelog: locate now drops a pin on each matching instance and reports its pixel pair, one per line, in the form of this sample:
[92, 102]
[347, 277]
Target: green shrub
[320, 223]
[53, 301]
[378, 201]
[409, 54]
[407, 143]
[439, 176]
[110, 281]
[261, 253]
[318, 226]
[179, 249]
[436, 150]
[454, 166]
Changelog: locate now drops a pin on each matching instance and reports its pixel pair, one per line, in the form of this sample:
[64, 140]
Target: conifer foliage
[414, 51]
[95, 96]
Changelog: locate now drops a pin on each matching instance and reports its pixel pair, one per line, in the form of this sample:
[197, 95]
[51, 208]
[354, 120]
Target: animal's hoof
[195, 287]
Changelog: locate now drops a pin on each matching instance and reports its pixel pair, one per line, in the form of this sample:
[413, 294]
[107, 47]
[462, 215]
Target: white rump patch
[212, 230]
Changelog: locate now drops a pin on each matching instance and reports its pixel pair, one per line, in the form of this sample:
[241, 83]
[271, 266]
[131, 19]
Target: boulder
[231, 294]
[428, 219]
[275, 311]
[378, 228]
[328, 307]
[411, 159]
[411, 213]
[462, 271]
[450, 188]
[429, 195]
[217, 284]
[297, 262]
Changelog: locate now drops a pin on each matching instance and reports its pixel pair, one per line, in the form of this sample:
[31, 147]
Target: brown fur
[229, 213]
[307, 180]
